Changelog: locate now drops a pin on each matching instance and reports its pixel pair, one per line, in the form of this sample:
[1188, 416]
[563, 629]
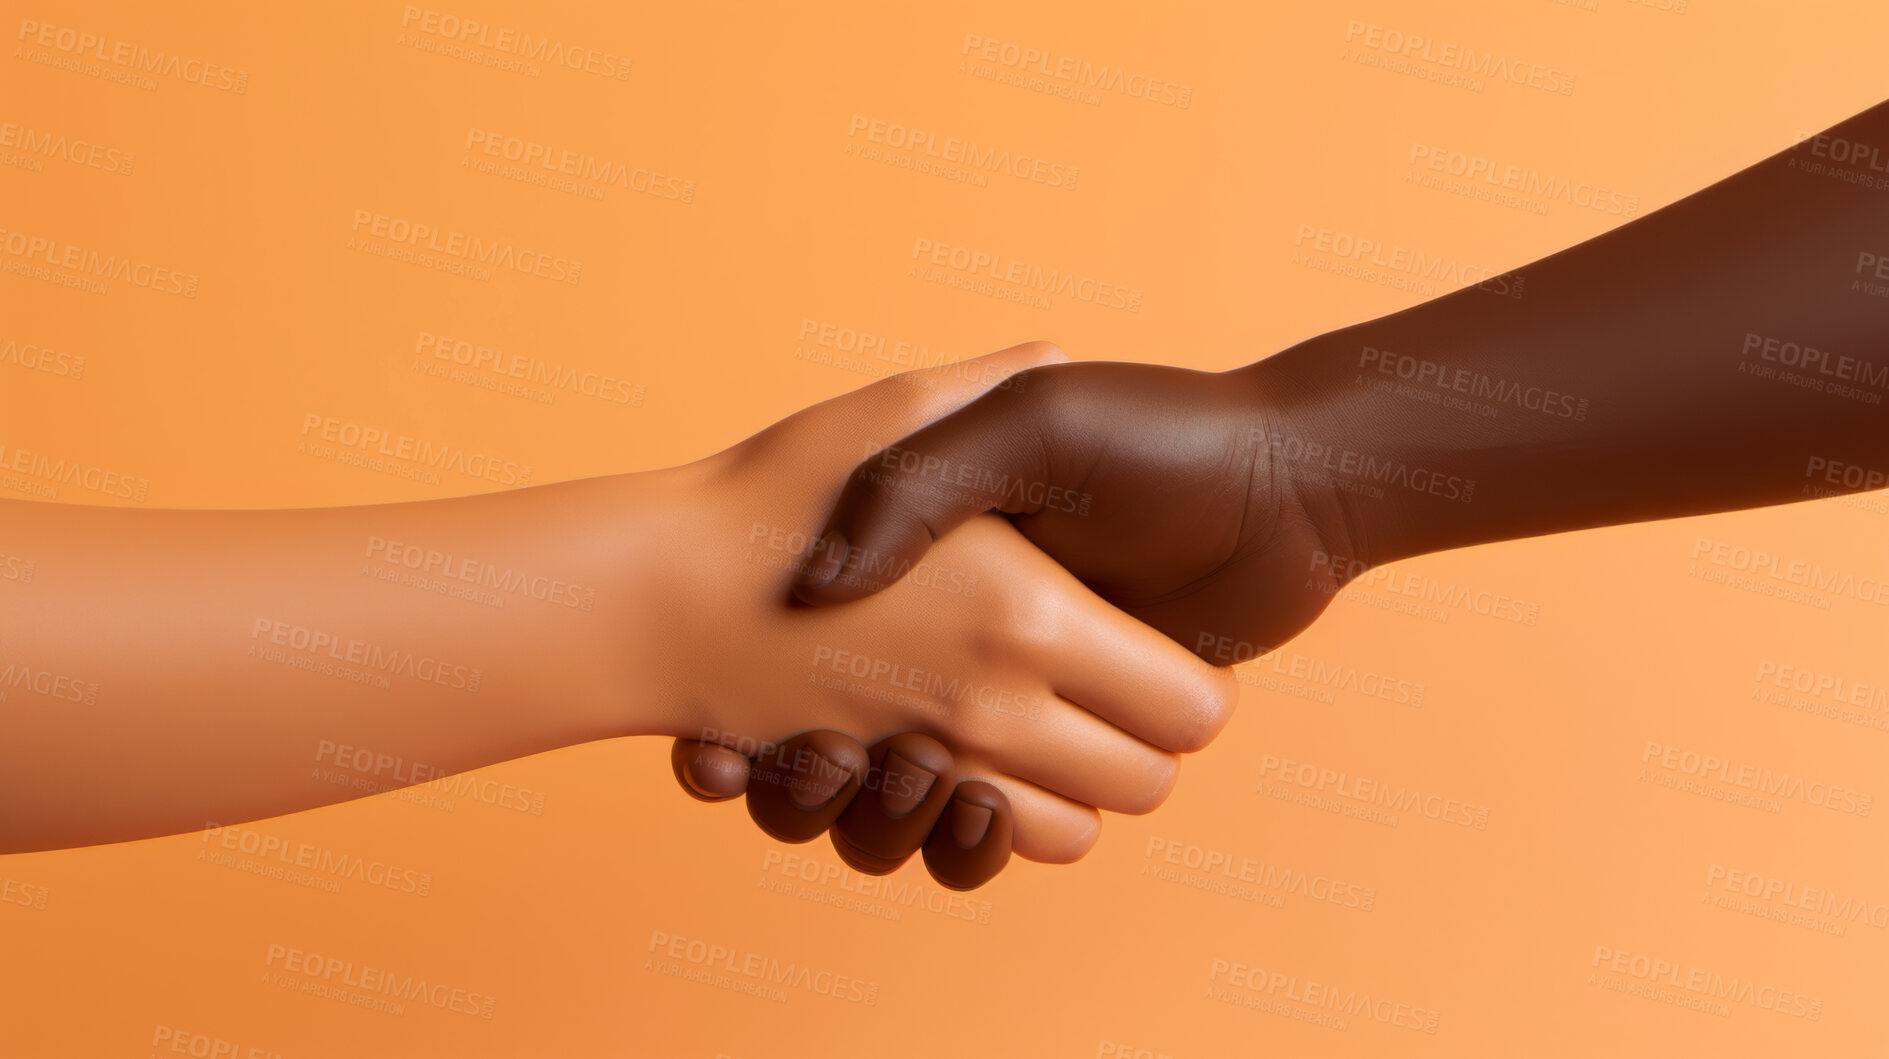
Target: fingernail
[695, 782]
[969, 823]
[829, 554]
[904, 785]
[816, 784]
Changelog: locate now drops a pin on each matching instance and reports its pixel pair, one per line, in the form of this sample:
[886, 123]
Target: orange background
[1294, 119]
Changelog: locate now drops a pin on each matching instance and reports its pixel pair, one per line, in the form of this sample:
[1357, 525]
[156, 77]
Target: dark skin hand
[1157, 487]
[1728, 351]
[876, 815]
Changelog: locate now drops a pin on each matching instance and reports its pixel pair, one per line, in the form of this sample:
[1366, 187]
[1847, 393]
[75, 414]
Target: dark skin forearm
[1728, 351]
[1724, 352]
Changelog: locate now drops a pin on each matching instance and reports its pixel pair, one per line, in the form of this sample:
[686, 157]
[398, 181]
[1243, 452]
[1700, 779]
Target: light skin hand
[229, 665]
[987, 620]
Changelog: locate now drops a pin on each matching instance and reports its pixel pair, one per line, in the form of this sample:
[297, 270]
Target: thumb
[991, 453]
[826, 437]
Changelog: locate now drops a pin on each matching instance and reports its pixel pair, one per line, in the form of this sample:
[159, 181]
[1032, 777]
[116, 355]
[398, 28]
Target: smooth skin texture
[873, 835]
[223, 659]
[1728, 351]
[881, 805]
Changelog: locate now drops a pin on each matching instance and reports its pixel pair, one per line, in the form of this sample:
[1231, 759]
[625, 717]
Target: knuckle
[1046, 390]
[875, 480]
[1203, 708]
[1021, 626]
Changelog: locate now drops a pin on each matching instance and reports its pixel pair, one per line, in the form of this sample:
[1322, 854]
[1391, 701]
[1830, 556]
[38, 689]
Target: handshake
[997, 632]
[978, 684]
[963, 609]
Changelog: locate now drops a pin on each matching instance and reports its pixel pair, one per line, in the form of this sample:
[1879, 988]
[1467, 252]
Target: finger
[708, 771]
[1138, 679]
[989, 454]
[1046, 827]
[910, 779]
[1067, 750]
[972, 841]
[797, 790]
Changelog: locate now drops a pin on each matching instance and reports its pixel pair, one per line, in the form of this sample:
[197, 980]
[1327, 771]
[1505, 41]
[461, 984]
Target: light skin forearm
[241, 664]
[167, 669]
[1724, 352]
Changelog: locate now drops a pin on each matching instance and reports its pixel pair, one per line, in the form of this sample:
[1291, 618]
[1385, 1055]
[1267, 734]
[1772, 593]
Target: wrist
[1339, 465]
[630, 534]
